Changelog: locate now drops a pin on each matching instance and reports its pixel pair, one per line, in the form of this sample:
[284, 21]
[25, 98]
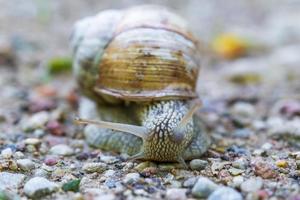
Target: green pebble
[72, 185]
[59, 65]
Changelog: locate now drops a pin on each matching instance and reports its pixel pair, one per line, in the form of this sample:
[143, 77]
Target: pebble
[25, 164]
[109, 173]
[131, 178]
[288, 108]
[240, 163]
[190, 182]
[286, 130]
[108, 159]
[167, 167]
[234, 171]
[51, 160]
[12, 165]
[296, 155]
[6, 153]
[259, 125]
[217, 166]
[38, 187]
[94, 167]
[225, 193]
[62, 150]
[267, 146]
[41, 105]
[264, 170]
[55, 128]
[32, 141]
[83, 156]
[18, 155]
[298, 164]
[252, 185]
[282, 163]
[39, 133]
[11, 181]
[198, 164]
[72, 185]
[259, 152]
[143, 165]
[41, 173]
[237, 181]
[243, 112]
[38, 120]
[176, 194]
[243, 133]
[203, 188]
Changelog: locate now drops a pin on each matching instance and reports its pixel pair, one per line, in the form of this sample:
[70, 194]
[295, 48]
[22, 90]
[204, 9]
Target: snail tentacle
[179, 129]
[189, 114]
[138, 131]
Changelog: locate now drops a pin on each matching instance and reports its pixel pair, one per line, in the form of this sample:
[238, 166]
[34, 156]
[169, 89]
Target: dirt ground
[249, 84]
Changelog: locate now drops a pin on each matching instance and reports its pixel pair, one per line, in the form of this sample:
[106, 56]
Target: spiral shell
[139, 54]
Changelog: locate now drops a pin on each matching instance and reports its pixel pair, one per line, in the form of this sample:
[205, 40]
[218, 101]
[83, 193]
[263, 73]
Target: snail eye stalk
[138, 131]
[179, 130]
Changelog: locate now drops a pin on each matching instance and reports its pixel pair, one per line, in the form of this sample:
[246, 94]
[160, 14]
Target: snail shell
[140, 54]
[145, 55]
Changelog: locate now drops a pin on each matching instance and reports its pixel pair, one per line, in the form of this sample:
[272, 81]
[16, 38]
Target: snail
[137, 70]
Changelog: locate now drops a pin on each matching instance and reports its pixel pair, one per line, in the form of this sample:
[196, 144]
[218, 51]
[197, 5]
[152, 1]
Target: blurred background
[251, 47]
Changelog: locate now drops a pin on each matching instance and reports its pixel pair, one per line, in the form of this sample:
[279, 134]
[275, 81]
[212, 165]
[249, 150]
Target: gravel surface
[249, 84]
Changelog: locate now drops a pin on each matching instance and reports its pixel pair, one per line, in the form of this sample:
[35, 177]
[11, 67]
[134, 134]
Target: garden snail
[140, 67]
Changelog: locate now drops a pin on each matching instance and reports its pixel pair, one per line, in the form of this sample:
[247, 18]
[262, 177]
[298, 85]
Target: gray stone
[198, 164]
[18, 155]
[243, 112]
[108, 159]
[203, 188]
[11, 181]
[38, 120]
[225, 193]
[38, 187]
[25, 164]
[234, 171]
[62, 150]
[243, 133]
[109, 173]
[6, 153]
[32, 141]
[240, 163]
[237, 181]
[176, 194]
[252, 185]
[131, 178]
[41, 173]
[190, 182]
[94, 167]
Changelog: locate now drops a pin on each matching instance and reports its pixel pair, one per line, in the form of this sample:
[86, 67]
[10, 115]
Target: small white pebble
[6, 153]
[18, 155]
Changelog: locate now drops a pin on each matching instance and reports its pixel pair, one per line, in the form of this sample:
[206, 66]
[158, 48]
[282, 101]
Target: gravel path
[250, 86]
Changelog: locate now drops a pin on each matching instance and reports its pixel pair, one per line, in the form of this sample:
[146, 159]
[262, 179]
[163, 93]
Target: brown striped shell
[151, 55]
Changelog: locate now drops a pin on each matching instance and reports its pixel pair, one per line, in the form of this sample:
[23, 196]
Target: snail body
[140, 67]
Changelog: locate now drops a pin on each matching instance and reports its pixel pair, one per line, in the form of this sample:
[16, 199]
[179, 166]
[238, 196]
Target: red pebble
[41, 105]
[46, 90]
[262, 194]
[55, 128]
[51, 160]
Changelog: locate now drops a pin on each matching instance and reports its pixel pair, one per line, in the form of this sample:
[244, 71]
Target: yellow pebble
[230, 46]
[282, 163]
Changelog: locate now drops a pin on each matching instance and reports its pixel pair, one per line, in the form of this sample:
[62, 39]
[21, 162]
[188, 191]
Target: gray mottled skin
[160, 117]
